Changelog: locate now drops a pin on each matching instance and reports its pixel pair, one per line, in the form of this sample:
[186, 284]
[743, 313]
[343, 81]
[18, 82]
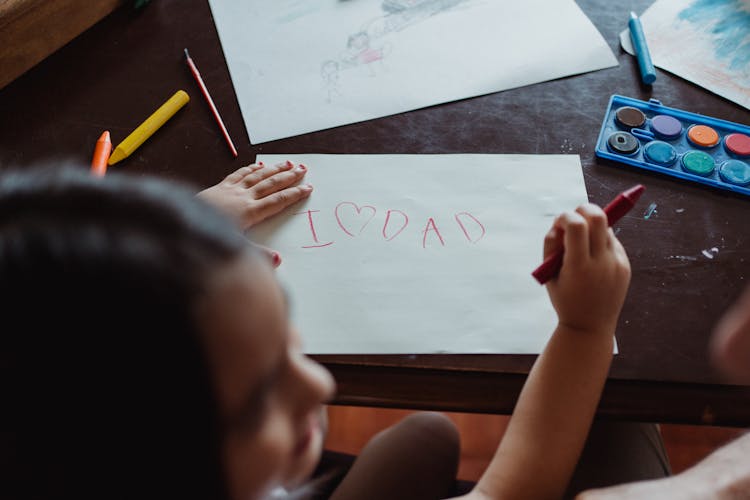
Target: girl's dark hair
[104, 388]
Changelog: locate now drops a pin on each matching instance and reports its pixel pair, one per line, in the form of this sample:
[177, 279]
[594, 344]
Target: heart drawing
[353, 218]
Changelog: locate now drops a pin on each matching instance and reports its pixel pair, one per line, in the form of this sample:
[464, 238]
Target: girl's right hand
[589, 292]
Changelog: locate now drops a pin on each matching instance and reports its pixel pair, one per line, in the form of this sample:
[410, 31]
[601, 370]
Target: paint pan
[689, 146]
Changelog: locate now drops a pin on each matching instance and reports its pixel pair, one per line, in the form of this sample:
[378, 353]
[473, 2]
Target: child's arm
[551, 420]
[256, 192]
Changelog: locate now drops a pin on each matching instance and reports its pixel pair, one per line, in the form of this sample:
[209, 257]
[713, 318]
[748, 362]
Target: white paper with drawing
[422, 253]
[304, 65]
[704, 41]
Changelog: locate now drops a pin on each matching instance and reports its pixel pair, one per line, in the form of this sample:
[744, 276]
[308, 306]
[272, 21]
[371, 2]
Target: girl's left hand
[253, 193]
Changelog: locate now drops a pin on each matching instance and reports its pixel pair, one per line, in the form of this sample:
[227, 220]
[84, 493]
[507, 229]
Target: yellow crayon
[148, 127]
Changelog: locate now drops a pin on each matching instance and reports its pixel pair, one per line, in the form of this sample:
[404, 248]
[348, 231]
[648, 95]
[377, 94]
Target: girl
[147, 352]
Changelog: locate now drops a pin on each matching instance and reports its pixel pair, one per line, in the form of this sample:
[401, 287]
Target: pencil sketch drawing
[365, 50]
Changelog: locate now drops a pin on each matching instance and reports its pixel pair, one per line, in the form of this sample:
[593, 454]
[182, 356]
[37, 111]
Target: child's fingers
[272, 255]
[265, 172]
[276, 202]
[620, 253]
[553, 241]
[243, 172]
[575, 237]
[596, 220]
[279, 181]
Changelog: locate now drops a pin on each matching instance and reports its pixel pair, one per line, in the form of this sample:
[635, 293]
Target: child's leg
[415, 459]
[619, 452]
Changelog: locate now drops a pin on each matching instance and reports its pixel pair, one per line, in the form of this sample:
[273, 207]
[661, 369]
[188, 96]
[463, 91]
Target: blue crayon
[648, 72]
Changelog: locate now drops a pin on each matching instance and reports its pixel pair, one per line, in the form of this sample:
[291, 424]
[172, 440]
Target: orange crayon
[101, 155]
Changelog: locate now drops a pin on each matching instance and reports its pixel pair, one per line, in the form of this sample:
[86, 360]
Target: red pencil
[202, 85]
[615, 210]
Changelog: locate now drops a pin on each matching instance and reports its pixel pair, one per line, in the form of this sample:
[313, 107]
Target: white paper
[706, 42]
[304, 65]
[359, 285]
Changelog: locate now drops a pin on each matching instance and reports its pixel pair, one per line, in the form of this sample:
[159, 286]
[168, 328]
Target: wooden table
[116, 73]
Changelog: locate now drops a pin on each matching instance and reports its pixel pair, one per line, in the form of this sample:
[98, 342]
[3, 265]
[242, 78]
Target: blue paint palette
[678, 143]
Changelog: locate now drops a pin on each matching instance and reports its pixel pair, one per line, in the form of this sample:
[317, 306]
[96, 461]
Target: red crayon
[615, 210]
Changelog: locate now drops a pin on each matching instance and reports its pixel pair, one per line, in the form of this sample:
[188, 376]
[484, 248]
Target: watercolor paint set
[686, 145]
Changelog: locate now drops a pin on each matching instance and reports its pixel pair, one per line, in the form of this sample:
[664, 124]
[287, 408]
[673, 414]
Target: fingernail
[306, 187]
[289, 163]
[260, 163]
[276, 259]
[301, 168]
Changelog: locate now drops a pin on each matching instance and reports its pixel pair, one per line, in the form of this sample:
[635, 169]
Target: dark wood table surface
[118, 72]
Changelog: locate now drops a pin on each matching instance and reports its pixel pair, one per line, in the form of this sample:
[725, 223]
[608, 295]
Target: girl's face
[270, 395]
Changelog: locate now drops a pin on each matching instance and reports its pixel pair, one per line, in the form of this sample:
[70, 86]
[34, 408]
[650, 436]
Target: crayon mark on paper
[353, 220]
